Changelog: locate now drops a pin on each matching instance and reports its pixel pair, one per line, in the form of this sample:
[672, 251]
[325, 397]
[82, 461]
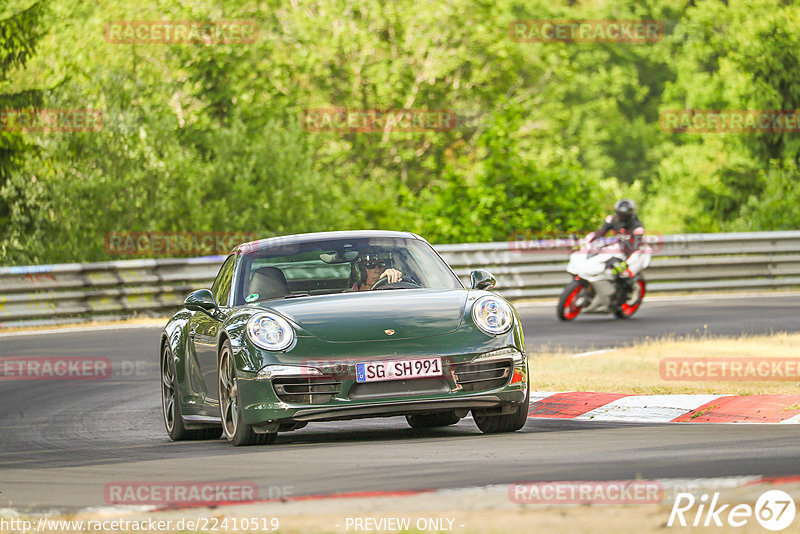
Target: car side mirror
[200, 300]
[482, 279]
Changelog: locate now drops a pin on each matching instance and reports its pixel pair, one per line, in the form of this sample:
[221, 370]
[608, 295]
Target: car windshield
[341, 265]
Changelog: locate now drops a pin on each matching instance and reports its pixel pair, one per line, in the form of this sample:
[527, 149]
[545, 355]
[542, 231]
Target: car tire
[171, 406]
[491, 424]
[234, 428]
[432, 420]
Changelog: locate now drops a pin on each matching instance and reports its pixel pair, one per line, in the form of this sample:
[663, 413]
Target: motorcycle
[595, 288]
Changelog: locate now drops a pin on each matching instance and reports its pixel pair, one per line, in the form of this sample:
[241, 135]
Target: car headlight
[270, 331]
[493, 315]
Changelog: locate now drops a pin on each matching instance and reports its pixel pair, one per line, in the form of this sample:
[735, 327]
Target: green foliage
[509, 193]
[737, 55]
[778, 205]
[20, 31]
[203, 137]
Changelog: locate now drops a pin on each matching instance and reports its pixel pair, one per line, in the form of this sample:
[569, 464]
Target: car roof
[297, 239]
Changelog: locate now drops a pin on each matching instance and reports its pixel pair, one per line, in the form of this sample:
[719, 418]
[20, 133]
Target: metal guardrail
[79, 292]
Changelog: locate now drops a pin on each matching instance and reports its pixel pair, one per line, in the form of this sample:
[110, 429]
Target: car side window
[222, 285]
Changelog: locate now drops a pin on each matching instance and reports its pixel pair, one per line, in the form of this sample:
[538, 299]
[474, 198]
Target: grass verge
[635, 369]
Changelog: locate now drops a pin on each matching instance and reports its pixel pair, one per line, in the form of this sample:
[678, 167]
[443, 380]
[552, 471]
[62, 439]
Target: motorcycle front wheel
[634, 300]
[567, 309]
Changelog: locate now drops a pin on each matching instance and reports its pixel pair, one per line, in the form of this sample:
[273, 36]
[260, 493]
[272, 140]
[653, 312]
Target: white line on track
[647, 408]
[591, 353]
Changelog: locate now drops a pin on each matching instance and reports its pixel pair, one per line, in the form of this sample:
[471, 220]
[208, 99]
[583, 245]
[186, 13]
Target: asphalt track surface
[61, 442]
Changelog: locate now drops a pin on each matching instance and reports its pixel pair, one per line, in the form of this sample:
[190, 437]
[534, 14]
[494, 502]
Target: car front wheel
[234, 428]
[489, 423]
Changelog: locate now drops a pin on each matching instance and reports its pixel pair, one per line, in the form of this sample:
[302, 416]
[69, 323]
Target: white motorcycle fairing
[591, 264]
[590, 261]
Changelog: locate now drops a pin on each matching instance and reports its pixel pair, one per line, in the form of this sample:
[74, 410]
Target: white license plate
[398, 369]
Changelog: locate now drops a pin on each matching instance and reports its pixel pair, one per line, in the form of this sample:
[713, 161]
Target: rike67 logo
[774, 510]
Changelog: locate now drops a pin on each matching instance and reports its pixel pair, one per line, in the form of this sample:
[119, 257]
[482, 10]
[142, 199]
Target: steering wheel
[384, 280]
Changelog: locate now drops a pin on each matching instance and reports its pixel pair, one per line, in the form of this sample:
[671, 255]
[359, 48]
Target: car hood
[373, 315]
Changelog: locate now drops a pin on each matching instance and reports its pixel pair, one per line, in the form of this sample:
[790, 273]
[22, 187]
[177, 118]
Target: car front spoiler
[396, 408]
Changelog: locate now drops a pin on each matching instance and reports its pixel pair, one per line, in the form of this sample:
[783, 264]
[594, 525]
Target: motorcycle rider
[627, 227]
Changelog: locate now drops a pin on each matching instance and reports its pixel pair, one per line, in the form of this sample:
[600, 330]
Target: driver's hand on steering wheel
[392, 275]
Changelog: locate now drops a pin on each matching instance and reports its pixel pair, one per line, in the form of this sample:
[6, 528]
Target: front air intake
[483, 375]
[306, 390]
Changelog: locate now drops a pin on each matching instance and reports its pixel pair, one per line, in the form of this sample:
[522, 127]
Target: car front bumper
[262, 404]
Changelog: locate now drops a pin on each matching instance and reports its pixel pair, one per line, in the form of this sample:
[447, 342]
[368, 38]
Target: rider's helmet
[625, 209]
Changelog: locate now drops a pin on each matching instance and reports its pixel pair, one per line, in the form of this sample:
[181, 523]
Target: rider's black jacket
[630, 239]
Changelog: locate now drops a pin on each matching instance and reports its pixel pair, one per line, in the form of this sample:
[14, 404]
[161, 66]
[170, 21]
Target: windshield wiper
[295, 295]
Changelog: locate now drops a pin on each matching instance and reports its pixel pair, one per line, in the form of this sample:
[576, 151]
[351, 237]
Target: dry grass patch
[635, 369]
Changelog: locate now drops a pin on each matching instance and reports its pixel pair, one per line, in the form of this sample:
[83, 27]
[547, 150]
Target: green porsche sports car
[340, 325]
